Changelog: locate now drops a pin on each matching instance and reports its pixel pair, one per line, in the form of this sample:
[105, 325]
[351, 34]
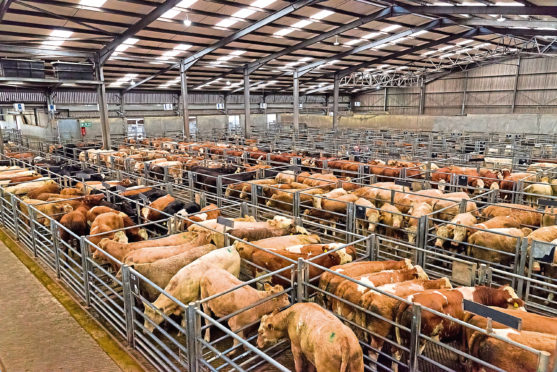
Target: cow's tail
[400, 311]
[345, 357]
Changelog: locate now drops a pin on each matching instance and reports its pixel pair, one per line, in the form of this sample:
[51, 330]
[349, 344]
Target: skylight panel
[171, 53]
[182, 47]
[243, 13]
[52, 44]
[238, 52]
[186, 3]
[262, 3]
[391, 28]
[283, 32]
[446, 55]
[420, 33]
[445, 48]
[93, 3]
[442, 3]
[428, 53]
[225, 58]
[227, 22]
[371, 35]
[169, 14]
[512, 3]
[131, 41]
[322, 14]
[61, 33]
[353, 42]
[464, 42]
[471, 3]
[301, 24]
[122, 47]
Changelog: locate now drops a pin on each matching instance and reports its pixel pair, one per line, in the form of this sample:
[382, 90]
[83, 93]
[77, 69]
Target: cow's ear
[267, 287]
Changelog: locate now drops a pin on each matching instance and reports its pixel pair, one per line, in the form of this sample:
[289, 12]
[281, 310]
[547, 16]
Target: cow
[391, 219]
[235, 302]
[549, 217]
[448, 207]
[535, 191]
[26, 187]
[507, 185]
[527, 216]
[154, 211]
[450, 302]
[148, 255]
[404, 201]
[419, 209]
[104, 226]
[496, 246]
[184, 285]
[49, 187]
[319, 341]
[161, 271]
[455, 230]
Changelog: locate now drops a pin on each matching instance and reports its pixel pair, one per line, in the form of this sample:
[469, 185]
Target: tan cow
[218, 281]
[496, 245]
[184, 286]
[527, 216]
[372, 215]
[418, 209]
[390, 216]
[316, 336]
[281, 242]
[455, 230]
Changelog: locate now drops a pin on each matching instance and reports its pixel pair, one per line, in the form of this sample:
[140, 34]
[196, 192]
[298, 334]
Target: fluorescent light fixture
[464, 42]
[122, 47]
[186, 3]
[301, 24]
[227, 22]
[171, 53]
[353, 42]
[402, 68]
[187, 22]
[501, 19]
[169, 14]
[131, 41]
[446, 55]
[371, 35]
[420, 33]
[93, 3]
[391, 28]
[182, 47]
[243, 13]
[445, 48]
[283, 32]
[428, 53]
[322, 14]
[262, 3]
[130, 76]
[441, 3]
[225, 58]
[471, 3]
[238, 52]
[512, 3]
[61, 33]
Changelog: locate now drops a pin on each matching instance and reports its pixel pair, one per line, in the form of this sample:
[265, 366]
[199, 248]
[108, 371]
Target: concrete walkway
[36, 331]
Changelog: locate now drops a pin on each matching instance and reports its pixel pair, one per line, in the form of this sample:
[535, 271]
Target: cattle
[527, 216]
[448, 207]
[152, 254]
[328, 281]
[161, 271]
[379, 193]
[450, 302]
[372, 216]
[319, 341]
[455, 230]
[497, 246]
[104, 226]
[284, 199]
[154, 211]
[26, 187]
[404, 201]
[282, 242]
[543, 234]
[391, 218]
[549, 217]
[535, 191]
[184, 285]
[49, 187]
[235, 302]
[278, 226]
[418, 210]
[53, 210]
[507, 185]
[184, 218]
[274, 259]
[530, 322]
[285, 177]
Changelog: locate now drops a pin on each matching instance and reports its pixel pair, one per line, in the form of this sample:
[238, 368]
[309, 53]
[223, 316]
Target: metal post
[464, 96]
[301, 277]
[521, 266]
[15, 221]
[219, 191]
[415, 329]
[128, 304]
[184, 98]
[103, 106]
[335, 101]
[56, 247]
[193, 332]
[254, 196]
[32, 227]
[296, 96]
[385, 99]
[247, 108]
[296, 204]
[422, 98]
[85, 268]
[350, 219]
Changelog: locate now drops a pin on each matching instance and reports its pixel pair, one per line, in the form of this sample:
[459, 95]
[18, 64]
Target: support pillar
[385, 97]
[464, 95]
[515, 85]
[247, 106]
[335, 101]
[296, 95]
[103, 106]
[50, 124]
[422, 98]
[184, 98]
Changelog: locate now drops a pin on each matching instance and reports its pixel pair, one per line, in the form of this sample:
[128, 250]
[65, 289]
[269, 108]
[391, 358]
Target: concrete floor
[36, 331]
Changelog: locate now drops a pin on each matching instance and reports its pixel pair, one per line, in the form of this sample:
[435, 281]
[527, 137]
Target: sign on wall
[19, 107]
[51, 108]
[220, 106]
[168, 106]
[85, 124]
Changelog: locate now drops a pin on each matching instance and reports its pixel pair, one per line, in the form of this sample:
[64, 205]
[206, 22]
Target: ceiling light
[353, 42]
[93, 3]
[512, 3]
[61, 33]
[186, 3]
[182, 47]
[283, 32]
[471, 3]
[371, 35]
[122, 47]
[501, 19]
[301, 24]
[391, 28]
[132, 82]
[227, 22]
[238, 52]
[322, 14]
[262, 3]
[464, 42]
[169, 14]
[442, 3]
[336, 43]
[187, 22]
[131, 41]
[428, 53]
[227, 82]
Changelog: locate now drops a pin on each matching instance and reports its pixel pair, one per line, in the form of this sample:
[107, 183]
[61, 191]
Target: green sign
[85, 124]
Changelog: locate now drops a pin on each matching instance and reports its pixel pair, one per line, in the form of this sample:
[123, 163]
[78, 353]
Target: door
[69, 129]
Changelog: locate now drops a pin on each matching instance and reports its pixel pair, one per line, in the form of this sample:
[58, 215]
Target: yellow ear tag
[515, 305]
[325, 251]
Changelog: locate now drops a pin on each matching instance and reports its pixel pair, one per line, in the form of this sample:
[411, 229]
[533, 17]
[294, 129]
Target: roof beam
[108, 49]
[236, 35]
[43, 52]
[507, 10]
[510, 23]
[4, 5]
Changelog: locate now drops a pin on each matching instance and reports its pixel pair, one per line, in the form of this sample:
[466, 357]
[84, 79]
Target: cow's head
[281, 222]
[411, 231]
[268, 333]
[278, 301]
[373, 219]
[512, 300]
[153, 317]
[443, 233]
[460, 233]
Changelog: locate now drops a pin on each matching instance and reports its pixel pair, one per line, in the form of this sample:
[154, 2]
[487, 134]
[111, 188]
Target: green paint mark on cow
[331, 337]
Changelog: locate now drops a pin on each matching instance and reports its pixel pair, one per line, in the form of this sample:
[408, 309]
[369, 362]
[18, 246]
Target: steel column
[247, 107]
[335, 101]
[464, 96]
[184, 98]
[296, 94]
[103, 106]
[422, 98]
[515, 85]
[385, 99]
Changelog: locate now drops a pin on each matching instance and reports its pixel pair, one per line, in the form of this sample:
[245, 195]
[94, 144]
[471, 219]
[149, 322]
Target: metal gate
[68, 129]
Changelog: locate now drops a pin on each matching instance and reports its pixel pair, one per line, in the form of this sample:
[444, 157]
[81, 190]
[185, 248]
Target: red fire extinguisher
[83, 131]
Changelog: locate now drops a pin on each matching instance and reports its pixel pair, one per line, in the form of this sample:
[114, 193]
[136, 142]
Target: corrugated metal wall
[485, 90]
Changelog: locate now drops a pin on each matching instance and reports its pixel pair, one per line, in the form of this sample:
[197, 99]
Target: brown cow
[496, 245]
[246, 250]
[104, 226]
[153, 212]
[526, 215]
[316, 336]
